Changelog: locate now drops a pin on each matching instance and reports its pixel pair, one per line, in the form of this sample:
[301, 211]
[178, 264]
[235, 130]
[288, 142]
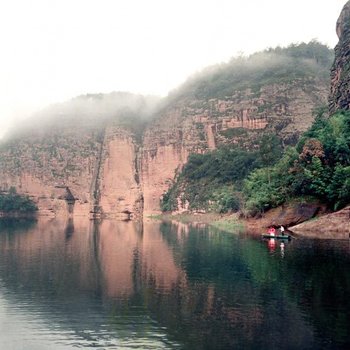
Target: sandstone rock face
[87, 174]
[94, 156]
[110, 171]
[340, 74]
[118, 184]
[49, 169]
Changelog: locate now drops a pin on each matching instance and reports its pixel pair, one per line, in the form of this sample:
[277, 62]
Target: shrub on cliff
[14, 202]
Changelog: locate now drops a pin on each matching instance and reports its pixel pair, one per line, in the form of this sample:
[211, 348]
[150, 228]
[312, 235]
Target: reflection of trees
[50, 276]
[257, 296]
[9, 225]
[319, 278]
[209, 290]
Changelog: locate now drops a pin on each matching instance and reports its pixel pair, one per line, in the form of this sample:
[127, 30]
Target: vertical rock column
[119, 190]
[340, 73]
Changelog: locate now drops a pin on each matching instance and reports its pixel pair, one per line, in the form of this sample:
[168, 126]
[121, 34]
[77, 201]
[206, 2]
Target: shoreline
[323, 226]
[226, 222]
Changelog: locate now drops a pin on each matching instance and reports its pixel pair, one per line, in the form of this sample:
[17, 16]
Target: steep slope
[274, 91]
[337, 225]
[340, 73]
[116, 155]
[79, 158]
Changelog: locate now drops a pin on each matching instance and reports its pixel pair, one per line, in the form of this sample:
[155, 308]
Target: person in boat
[282, 230]
[272, 231]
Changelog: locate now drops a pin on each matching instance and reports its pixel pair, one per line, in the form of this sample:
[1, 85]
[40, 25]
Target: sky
[54, 50]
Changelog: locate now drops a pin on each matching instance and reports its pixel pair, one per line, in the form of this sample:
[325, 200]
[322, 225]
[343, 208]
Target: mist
[90, 112]
[311, 60]
[93, 112]
[53, 51]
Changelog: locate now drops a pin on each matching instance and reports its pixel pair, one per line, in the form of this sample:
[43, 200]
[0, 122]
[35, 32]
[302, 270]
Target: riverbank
[307, 220]
[225, 222]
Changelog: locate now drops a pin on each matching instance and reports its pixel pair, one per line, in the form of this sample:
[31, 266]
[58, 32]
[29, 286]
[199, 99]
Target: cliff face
[340, 73]
[118, 185]
[56, 172]
[108, 172]
[80, 158]
[195, 126]
[90, 175]
[115, 155]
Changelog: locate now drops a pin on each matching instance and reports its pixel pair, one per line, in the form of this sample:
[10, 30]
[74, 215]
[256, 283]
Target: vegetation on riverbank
[319, 166]
[232, 179]
[213, 181]
[254, 178]
[12, 202]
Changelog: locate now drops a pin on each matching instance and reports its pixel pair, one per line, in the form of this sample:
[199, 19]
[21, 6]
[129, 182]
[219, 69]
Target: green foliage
[338, 190]
[168, 202]
[319, 167]
[233, 132]
[13, 202]
[225, 199]
[270, 149]
[210, 181]
[213, 181]
[222, 166]
[261, 191]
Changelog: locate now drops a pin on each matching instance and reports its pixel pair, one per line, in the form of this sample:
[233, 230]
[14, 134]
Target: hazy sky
[52, 50]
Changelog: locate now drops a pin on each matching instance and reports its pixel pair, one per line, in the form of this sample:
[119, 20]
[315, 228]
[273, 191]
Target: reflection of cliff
[204, 289]
[44, 246]
[117, 255]
[71, 283]
[130, 256]
[292, 288]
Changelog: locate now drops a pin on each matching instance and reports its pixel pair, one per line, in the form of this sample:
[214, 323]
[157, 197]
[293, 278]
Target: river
[68, 284]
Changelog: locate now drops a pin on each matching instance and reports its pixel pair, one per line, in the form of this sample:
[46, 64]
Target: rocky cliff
[115, 155]
[340, 73]
[198, 125]
[82, 159]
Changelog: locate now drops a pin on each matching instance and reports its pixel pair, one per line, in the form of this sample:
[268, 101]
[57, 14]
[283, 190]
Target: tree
[270, 149]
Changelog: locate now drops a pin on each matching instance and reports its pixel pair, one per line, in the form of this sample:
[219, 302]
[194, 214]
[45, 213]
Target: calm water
[123, 285]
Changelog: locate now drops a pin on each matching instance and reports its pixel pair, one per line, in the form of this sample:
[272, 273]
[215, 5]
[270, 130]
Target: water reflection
[282, 249]
[151, 285]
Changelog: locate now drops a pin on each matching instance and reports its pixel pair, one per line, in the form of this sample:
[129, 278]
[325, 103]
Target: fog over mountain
[53, 50]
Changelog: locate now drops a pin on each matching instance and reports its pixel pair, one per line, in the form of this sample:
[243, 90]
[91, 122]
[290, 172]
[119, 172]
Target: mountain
[308, 178]
[80, 156]
[116, 155]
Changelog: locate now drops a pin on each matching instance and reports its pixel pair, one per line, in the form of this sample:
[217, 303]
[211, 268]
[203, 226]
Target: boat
[266, 235]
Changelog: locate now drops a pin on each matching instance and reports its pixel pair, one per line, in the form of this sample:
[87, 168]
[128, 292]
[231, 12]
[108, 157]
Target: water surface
[125, 285]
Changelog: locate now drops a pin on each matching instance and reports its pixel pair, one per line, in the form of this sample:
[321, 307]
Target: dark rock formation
[340, 74]
[296, 214]
[334, 225]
